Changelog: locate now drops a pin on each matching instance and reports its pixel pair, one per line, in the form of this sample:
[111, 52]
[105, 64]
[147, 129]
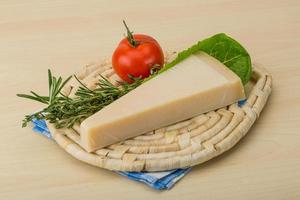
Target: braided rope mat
[180, 145]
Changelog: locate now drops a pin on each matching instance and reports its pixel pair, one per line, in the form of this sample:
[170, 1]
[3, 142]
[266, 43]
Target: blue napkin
[156, 180]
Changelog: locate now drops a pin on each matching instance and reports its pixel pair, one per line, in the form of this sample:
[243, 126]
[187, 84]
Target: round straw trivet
[180, 145]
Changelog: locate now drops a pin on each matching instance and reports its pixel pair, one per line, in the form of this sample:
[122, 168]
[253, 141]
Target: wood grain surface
[65, 35]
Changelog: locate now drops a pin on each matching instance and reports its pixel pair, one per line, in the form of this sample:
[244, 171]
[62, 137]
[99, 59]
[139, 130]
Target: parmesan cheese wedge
[196, 85]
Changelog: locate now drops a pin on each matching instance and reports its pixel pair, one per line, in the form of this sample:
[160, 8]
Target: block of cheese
[196, 85]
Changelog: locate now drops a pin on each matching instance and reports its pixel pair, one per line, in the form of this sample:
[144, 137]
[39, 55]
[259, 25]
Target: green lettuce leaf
[225, 49]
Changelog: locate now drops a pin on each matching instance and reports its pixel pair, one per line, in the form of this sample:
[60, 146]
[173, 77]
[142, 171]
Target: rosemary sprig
[64, 112]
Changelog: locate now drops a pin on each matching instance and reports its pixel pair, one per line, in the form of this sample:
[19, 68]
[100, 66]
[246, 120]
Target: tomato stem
[130, 38]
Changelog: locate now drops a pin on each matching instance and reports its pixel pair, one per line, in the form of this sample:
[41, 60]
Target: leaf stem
[130, 38]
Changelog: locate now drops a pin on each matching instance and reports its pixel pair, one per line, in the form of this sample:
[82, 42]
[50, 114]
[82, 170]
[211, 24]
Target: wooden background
[65, 35]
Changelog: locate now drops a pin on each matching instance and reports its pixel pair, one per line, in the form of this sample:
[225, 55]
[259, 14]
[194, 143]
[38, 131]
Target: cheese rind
[196, 85]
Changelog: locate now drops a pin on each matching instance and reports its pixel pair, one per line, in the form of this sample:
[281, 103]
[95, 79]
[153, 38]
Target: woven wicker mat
[180, 145]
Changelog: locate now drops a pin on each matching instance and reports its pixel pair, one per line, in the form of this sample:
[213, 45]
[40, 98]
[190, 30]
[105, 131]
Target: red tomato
[138, 58]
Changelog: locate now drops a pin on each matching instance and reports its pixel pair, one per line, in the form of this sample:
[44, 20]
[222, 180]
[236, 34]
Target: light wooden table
[65, 35]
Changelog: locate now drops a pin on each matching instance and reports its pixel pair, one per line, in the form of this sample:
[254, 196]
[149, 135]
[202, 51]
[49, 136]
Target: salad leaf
[223, 48]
